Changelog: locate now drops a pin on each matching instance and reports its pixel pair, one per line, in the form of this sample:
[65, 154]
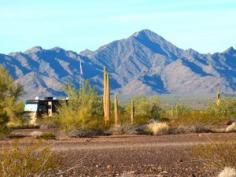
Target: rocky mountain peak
[230, 50]
[34, 49]
[144, 63]
[148, 35]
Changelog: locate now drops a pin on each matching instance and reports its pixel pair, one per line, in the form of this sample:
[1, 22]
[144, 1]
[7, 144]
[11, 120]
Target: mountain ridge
[144, 63]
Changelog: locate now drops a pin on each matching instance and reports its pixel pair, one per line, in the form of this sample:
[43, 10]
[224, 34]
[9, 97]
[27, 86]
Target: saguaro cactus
[106, 96]
[132, 111]
[116, 114]
[104, 91]
[218, 97]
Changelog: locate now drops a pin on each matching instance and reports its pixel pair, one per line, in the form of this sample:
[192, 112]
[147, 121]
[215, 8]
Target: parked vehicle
[38, 108]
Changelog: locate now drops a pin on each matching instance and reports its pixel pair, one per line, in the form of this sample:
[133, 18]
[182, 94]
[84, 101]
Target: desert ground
[131, 155]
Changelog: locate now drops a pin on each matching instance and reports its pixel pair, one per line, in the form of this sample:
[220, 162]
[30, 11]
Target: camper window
[31, 107]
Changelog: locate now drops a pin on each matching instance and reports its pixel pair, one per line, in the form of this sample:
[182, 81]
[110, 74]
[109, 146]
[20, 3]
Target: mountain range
[142, 64]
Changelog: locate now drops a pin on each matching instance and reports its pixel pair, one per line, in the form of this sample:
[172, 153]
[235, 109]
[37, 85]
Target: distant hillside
[144, 63]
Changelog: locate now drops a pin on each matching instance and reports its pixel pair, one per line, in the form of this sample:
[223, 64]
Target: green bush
[225, 110]
[83, 111]
[10, 108]
[178, 110]
[47, 136]
[203, 120]
[144, 109]
[48, 122]
[193, 118]
[195, 121]
[3, 124]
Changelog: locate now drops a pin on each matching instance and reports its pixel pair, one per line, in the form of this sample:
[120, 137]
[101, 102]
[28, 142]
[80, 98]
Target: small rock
[131, 172]
[36, 133]
[228, 172]
[164, 172]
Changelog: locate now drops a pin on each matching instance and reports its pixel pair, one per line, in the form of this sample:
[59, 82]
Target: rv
[38, 108]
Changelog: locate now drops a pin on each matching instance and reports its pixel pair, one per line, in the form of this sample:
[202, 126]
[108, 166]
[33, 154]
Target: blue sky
[204, 25]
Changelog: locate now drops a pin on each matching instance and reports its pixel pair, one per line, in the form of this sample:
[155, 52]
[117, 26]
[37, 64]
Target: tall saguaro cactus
[116, 114]
[132, 111]
[106, 96]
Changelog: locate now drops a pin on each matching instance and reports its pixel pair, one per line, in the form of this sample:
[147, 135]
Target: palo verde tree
[83, 110]
[9, 94]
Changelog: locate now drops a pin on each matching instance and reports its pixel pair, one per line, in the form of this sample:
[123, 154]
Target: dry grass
[28, 161]
[158, 128]
[197, 121]
[216, 155]
[231, 128]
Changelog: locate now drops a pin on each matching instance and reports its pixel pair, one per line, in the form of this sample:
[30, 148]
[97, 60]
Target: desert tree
[10, 107]
[83, 109]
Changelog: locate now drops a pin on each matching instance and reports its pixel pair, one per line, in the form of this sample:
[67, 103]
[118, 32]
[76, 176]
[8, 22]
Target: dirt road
[167, 155]
[162, 156]
[141, 142]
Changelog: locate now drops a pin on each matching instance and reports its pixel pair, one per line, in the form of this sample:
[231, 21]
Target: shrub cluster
[10, 108]
[83, 111]
[28, 160]
[144, 109]
[208, 120]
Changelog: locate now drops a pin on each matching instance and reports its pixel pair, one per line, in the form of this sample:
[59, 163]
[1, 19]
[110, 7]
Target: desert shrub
[196, 121]
[28, 160]
[178, 110]
[83, 111]
[10, 108]
[17, 123]
[23, 126]
[225, 110]
[231, 128]
[216, 155]
[195, 118]
[155, 109]
[3, 127]
[144, 109]
[48, 122]
[124, 128]
[156, 128]
[47, 136]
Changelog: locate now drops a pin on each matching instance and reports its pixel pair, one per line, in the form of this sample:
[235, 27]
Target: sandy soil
[161, 156]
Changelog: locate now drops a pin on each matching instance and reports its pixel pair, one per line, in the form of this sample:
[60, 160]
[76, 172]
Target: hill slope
[144, 63]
